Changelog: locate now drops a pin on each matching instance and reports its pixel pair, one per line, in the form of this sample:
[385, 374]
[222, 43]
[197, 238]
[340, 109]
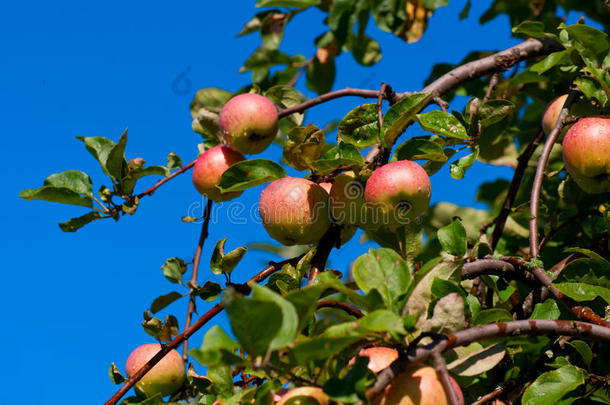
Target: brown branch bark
[541, 167]
[501, 268]
[522, 162]
[196, 259]
[166, 179]
[341, 305]
[489, 396]
[441, 369]
[187, 333]
[481, 332]
[331, 238]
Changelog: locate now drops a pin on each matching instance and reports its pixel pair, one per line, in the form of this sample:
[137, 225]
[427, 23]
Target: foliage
[410, 289]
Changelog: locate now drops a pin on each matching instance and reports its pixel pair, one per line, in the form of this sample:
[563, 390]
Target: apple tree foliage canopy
[512, 301]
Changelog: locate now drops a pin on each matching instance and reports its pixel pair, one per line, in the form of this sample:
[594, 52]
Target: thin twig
[187, 333]
[341, 305]
[441, 369]
[489, 396]
[196, 259]
[382, 92]
[541, 167]
[522, 162]
[166, 179]
[493, 82]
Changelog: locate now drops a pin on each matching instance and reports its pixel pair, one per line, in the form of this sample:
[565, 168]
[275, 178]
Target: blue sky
[72, 303]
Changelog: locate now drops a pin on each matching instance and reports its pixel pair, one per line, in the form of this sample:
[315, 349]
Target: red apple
[304, 396]
[586, 153]
[417, 386]
[379, 357]
[396, 194]
[208, 170]
[551, 113]
[294, 211]
[326, 186]
[249, 123]
[166, 377]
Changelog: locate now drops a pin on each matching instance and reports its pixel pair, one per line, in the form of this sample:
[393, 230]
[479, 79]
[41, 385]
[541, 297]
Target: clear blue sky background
[72, 303]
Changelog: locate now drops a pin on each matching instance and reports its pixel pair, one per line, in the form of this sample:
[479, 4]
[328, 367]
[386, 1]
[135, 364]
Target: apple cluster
[297, 211]
[586, 147]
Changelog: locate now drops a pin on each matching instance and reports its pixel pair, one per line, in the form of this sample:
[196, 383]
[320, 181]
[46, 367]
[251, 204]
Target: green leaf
[75, 224]
[319, 347]
[100, 148]
[116, 165]
[304, 301]
[285, 97]
[350, 388]
[128, 182]
[209, 292]
[583, 349]
[163, 301]
[385, 271]
[287, 3]
[74, 180]
[585, 279]
[365, 49]
[434, 4]
[492, 315]
[344, 156]
[534, 29]
[173, 269]
[552, 386]
[115, 375]
[217, 349]
[475, 359]
[56, 194]
[320, 76]
[225, 263]
[290, 320]
[400, 115]
[494, 111]
[552, 60]
[250, 173]
[272, 29]
[591, 43]
[442, 123]
[546, 310]
[453, 238]
[247, 317]
[360, 126]
[592, 89]
[420, 148]
[448, 315]
[458, 168]
[589, 253]
[173, 161]
[211, 99]
[303, 146]
[441, 288]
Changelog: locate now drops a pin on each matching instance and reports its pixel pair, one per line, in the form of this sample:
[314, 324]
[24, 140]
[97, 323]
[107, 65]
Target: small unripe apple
[379, 357]
[347, 200]
[249, 123]
[586, 153]
[417, 386]
[396, 194]
[166, 377]
[294, 211]
[208, 170]
[304, 396]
